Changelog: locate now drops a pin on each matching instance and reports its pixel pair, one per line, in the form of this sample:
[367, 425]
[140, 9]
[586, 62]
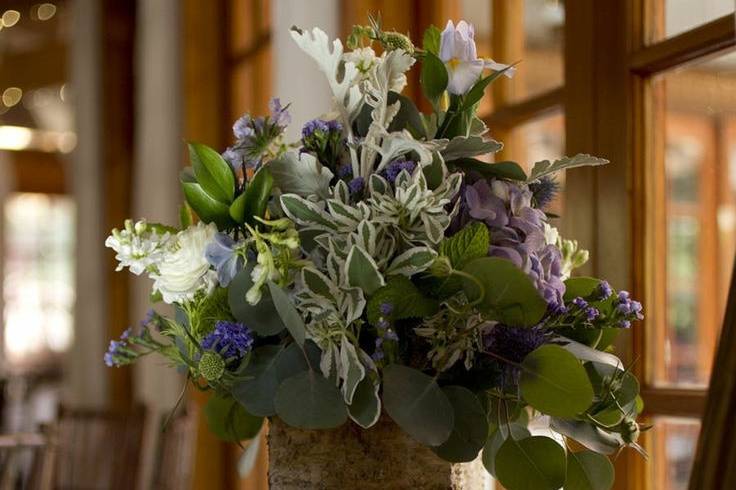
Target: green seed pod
[629, 430]
[211, 366]
[395, 40]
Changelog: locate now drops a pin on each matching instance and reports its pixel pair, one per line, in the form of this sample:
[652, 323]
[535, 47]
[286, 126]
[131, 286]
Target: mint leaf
[407, 300]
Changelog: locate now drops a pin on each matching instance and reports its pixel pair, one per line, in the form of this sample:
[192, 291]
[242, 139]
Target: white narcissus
[458, 53]
[184, 270]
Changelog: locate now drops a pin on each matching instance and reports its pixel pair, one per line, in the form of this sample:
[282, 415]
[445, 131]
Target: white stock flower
[551, 234]
[458, 53]
[184, 269]
[364, 60]
[138, 246]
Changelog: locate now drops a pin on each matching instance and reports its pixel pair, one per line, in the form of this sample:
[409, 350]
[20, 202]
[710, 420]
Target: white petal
[447, 42]
[463, 76]
[500, 66]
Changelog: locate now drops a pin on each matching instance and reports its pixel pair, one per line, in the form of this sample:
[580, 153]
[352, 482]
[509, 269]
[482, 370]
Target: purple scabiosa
[324, 140]
[544, 191]
[258, 139]
[231, 340]
[394, 168]
[223, 255]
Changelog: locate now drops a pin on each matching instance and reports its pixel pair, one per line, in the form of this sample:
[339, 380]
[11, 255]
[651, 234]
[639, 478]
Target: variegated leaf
[412, 261]
[352, 371]
[361, 270]
[306, 212]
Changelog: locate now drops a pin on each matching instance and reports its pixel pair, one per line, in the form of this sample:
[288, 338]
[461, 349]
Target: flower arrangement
[377, 265]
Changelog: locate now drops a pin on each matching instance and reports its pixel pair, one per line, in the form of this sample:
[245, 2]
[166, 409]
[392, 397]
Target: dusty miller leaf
[545, 167]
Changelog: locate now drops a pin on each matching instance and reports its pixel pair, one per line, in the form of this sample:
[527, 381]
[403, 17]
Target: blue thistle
[544, 191]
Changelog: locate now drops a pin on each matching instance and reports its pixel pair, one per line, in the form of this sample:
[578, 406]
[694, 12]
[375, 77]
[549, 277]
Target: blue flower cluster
[324, 140]
[394, 168]
[384, 330]
[229, 339]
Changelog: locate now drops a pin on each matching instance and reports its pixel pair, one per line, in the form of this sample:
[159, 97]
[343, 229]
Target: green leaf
[288, 313]
[625, 395]
[475, 94]
[366, 407]
[237, 209]
[533, 463]
[469, 243]
[587, 435]
[207, 208]
[362, 271]
[587, 470]
[433, 77]
[294, 360]
[431, 40]
[415, 402]
[213, 173]
[185, 216]
[554, 382]
[262, 317]
[229, 421]
[580, 286]
[318, 284]
[500, 170]
[469, 146]
[408, 117]
[545, 167]
[496, 440]
[309, 401]
[470, 431]
[257, 194]
[407, 300]
[510, 296]
[435, 172]
[257, 392]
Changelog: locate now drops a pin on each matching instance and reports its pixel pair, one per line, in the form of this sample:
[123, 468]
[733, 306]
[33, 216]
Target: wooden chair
[27, 460]
[98, 450]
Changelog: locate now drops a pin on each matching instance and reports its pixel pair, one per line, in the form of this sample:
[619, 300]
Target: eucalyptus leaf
[470, 430]
[310, 401]
[587, 435]
[300, 174]
[417, 404]
[554, 382]
[213, 173]
[545, 167]
[365, 409]
[288, 313]
[262, 317]
[295, 359]
[257, 392]
[496, 440]
[229, 421]
[508, 294]
[587, 470]
[535, 462]
[585, 353]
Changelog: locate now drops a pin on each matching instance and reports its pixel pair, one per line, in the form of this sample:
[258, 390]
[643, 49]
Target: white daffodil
[184, 270]
[458, 53]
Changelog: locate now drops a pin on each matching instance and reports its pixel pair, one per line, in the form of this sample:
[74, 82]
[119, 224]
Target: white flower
[138, 246]
[458, 53]
[551, 234]
[184, 269]
[364, 60]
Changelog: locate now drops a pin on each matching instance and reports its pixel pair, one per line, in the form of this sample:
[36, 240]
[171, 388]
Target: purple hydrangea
[394, 168]
[517, 232]
[221, 253]
[230, 339]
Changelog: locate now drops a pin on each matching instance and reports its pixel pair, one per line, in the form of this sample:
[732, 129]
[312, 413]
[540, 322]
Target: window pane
[38, 282]
[673, 443]
[677, 16]
[539, 139]
[695, 230]
[535, 38]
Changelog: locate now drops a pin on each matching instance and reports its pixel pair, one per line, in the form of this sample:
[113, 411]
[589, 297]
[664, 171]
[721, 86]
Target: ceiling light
[10, 18]
[11, 96]
[45, 11]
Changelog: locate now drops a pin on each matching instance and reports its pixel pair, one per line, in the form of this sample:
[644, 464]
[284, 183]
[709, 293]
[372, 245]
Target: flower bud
[395, 40]
[629, 430]
[441, 267]
[211, 366]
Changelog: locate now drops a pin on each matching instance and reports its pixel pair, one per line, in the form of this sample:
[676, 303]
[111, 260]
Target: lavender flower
[229, 339]
[223, 255]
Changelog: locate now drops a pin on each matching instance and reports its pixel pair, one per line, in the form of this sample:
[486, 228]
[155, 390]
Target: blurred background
[97, 98]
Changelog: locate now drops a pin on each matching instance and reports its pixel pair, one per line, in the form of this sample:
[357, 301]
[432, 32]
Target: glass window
[673, 17]
[38, 282]
[697, 230]
[673, 441]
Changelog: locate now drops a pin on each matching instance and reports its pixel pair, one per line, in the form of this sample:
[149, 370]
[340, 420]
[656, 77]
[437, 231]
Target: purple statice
[257, 138]
[386, 309]
[345, 171]
[324, 140]
[394, 168]
[223, 255]
[229, 339]
[356, 185]
[626, 310]
[544, 191]
[517, 232]
[604, 290]
[384, 333]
